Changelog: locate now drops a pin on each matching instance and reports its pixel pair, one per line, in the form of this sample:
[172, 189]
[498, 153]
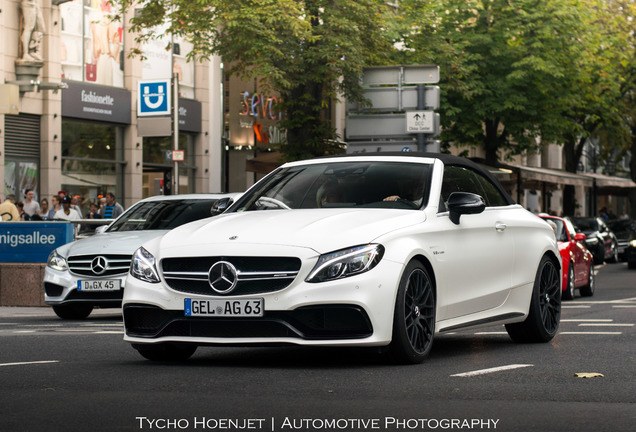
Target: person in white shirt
[31, 207]
[66, 212]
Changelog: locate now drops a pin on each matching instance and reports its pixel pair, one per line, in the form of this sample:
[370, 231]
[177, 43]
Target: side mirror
[461, 203]
[580, 237]
[101, 229]
[220, 206]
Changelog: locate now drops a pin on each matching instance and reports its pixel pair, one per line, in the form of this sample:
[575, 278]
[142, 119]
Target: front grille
[115, 265]
[323, 322]
[256, 275]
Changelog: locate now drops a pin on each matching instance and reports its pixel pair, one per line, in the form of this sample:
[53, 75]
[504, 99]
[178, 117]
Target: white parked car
[91, 272]
[382, 250]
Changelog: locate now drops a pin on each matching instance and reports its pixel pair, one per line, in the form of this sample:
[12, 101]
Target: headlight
[143, 266]
[632, 243]
[57, 261]
[346, 262]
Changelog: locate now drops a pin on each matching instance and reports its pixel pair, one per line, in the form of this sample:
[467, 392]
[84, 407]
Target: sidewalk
[46, 311]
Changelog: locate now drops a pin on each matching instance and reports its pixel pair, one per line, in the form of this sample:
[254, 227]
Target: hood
[323, 230]
[124, 242]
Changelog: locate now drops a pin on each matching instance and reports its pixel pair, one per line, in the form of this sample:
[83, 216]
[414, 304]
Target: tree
[505, 68]
[309, 52]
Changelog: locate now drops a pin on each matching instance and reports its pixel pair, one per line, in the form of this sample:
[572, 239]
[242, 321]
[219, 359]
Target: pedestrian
[67, 213]
[94, 212]
[112, 209]
[8, 210]
[31, 207]
[23, 215]
[75, 199]
[44, 209]
[55, 206]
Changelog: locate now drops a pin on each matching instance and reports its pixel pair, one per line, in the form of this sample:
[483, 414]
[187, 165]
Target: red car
[578, 261]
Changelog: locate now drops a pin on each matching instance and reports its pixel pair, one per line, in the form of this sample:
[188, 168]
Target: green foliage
[310, 52]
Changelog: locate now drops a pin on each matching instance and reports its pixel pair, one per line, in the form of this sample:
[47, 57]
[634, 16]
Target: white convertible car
[382, 250]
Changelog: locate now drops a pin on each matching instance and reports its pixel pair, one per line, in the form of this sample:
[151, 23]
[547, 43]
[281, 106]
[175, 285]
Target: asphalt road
[80, 376]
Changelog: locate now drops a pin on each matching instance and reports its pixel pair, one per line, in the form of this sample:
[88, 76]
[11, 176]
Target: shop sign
[153, 98]
[96, 102]
[189, 115]
[32, 242]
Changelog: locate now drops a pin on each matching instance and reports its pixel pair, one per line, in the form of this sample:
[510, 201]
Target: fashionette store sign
[96, 102]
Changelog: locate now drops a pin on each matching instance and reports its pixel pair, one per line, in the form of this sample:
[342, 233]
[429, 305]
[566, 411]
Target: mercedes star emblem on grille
[99, 265]
[223, 277]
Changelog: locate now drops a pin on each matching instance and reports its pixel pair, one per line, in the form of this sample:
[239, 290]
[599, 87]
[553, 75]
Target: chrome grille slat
[81, 265]
[255, 275]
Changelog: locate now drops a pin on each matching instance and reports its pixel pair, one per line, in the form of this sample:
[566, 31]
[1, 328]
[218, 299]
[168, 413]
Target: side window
[491, 194]
[459, 179]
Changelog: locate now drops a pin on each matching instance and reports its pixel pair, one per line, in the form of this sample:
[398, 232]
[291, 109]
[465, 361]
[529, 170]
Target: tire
[414, 316]
[73, 311]
[568, 292]
[588, 290]
[542, 322]
[166, 352]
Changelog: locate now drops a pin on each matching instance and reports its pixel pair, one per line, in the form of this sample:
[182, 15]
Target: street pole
[175, 131]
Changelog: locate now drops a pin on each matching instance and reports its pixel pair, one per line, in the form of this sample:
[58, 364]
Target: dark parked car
[625, 231]
[600, 240]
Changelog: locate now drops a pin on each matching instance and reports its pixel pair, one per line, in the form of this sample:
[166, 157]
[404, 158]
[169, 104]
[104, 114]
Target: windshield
[163, 215]
[587, 225]
[342, 185]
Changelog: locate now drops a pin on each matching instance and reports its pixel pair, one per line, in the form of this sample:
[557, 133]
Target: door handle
[500, 226]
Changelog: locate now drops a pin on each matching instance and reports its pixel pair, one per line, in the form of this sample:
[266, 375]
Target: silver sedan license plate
[99, 285]
[224, 308]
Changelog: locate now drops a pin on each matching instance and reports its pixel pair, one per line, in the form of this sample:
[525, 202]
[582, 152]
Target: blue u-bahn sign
[153, 98]
[32, 242]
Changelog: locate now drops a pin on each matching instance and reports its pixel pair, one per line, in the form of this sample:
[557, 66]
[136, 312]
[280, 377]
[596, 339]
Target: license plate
[224, 308]
[99, 285]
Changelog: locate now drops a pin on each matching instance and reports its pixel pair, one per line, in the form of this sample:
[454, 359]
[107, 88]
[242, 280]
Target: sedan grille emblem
[99, 265]
[223, 277]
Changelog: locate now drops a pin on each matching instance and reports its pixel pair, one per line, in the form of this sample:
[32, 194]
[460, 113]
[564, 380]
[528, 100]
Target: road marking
[29, 363]
[624, 306]
[591, 333]
[604, 325]
[492, 370]
[575, 307]
[587, 320]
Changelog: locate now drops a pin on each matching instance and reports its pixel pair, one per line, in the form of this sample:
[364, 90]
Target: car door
[478, 252]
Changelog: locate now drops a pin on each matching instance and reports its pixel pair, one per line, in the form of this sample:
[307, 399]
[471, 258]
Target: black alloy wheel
[543, 318]
[414, 316]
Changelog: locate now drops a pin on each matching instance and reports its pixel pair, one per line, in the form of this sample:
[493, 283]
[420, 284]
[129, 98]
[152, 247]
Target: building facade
[68, 116]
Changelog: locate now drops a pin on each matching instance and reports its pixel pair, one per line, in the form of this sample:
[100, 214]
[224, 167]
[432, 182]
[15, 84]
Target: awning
[547, 175]
[611, 181]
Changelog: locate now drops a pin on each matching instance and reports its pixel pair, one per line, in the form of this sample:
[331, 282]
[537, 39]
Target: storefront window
[91, 160]
[91, 43]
